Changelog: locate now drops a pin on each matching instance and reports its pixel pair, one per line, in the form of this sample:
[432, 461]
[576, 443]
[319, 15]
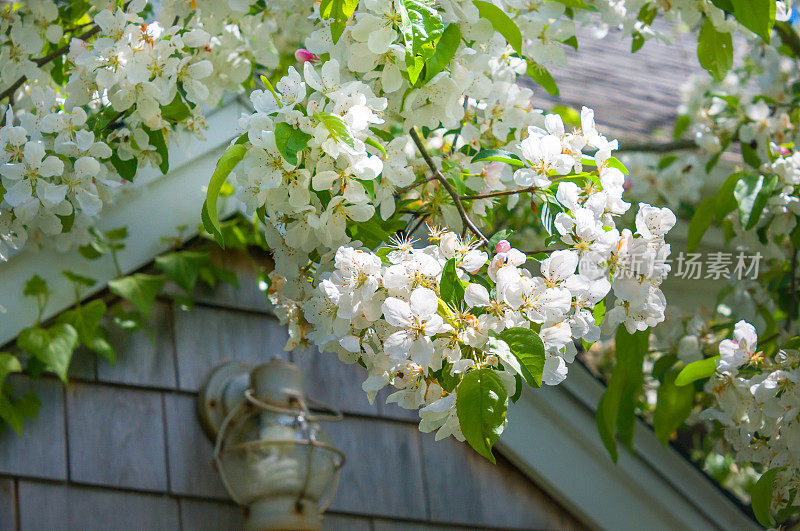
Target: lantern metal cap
[277, 381]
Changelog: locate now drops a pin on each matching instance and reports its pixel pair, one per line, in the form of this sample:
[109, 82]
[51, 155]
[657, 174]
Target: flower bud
[304, 55]
[502, 246]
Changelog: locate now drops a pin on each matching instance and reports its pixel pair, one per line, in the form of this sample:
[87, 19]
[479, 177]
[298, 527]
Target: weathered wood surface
[634, 96]
[121, 448]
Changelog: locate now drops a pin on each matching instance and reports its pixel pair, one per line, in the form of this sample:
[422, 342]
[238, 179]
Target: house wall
[120, 447]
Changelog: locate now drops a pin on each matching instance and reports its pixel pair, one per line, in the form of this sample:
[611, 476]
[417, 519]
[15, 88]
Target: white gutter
[552, 436]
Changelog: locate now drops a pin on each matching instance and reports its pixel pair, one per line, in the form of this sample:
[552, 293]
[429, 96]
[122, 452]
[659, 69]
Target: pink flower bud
[783, 152]
[627, 184]
[502, 246]
[304, 55]
[493, 169]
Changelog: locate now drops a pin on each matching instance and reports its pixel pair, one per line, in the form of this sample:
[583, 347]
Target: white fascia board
[552, 436]
[150, 212]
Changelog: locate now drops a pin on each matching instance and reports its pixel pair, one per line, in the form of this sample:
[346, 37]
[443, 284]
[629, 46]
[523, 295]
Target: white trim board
[552, 436]
[149, 212]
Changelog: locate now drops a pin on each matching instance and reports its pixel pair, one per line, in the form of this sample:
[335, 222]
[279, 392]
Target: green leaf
[616, 409]
[445, 50]
[756, 15]
[79, 280]
[498, 155]
[53, 346]
[792, 344]
[714, 50]
[751, 193]
[375, 231]
[125, 168]
[8, 364]
[726, 201]
[377, 145]
[67, 221]
[156, 139]
[701, 221]
[119, 233]
[547, 214]
[36, 286]
[637, 42]
[99, 345]
[575, 4]
[14, 413]
[540, 74]
[289, 141]
[340, 12]
[176, 110]
[421, 26]
[673, 407]
[786, 512]
[451, 290]
[697, 370]
[527, 347]
[750, 155]
[501, 23]
[614, 162]
[335, 126]
[232, 156]
[481, 405]
[761, 497]
[84, 319]
[681, 126]
[183, 267]
[725, 5]
[140, 289]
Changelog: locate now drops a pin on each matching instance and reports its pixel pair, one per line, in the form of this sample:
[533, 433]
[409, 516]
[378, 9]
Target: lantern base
[221, 392]
[283, 513]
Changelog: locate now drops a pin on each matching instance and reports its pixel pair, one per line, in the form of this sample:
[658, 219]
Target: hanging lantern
[270, 451]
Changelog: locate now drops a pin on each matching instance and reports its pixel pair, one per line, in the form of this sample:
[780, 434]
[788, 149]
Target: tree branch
[468, 224]
[501, 193]
[41, 61]
[413, 185]
[658, 147]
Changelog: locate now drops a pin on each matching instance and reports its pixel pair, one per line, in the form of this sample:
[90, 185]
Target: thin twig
[658, 147]
[501, 193]
[468, 224]
[413, 185]
[796, 301]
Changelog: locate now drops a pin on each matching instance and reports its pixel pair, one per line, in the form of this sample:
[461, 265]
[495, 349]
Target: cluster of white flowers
[89, 112]
[385, 309]
[346, 159]
[758, 401]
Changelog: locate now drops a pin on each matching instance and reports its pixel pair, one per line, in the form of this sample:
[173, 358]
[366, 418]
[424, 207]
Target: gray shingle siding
[120, 448]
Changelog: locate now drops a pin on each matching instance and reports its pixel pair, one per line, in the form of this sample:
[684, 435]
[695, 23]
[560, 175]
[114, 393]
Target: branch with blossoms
[324, 162]
[468, 223]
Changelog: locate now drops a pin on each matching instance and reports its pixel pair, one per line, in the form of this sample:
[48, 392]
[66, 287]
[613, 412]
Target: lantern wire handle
[305, 416]
[218, 448]
[328, 413]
